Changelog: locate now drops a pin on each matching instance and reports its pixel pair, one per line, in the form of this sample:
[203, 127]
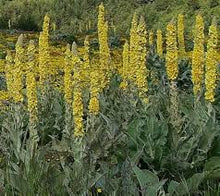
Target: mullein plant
[18, 70]
[172, 74]
[159, 43]
[86, 65]
[44, 55]
[104, 51]
[198, 56]
[133, 49]
[77, 103]
[68, 91]
[125, 66]
[211, 63]
[141, 71]
[31, 86]
[180, 35]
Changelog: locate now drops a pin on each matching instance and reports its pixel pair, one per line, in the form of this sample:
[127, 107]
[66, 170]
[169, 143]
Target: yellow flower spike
[151, 38]
[198, 56]
[68, 83]
[141, 71]
[86, 64]
[211, 63]
[94, 104]
[44, 55]
[78, 113]
[181, 41]
[125, 66]
[133, 48]
[172, 53]
[31, 83]
[104, 51]
[9, 73]
[159, 43]
[18, 73]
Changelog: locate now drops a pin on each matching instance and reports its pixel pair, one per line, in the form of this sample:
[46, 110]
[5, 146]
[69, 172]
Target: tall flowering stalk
[18, 70]
[78, 113]
[172, 53]
[31, 83]
[159, 43]
[86, 64]
[77, 104]
[133, 48]
[44, 55]
[94, 88]
[104, 51]
[181, 41]
[32, 95]
[125, 66]
[198, 56]
[68, 83]
[9, 73]
[151, 38]
[211, 63]
[141, 71]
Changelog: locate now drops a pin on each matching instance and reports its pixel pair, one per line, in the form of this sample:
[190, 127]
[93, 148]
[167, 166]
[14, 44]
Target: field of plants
[134, 116]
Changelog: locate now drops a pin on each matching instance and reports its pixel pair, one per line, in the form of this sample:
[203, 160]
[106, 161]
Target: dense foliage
[80, 16]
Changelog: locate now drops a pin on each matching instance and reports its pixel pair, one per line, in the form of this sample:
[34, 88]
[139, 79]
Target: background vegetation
[80, 16]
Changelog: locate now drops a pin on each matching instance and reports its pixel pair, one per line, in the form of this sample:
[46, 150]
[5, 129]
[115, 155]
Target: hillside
[77, 16]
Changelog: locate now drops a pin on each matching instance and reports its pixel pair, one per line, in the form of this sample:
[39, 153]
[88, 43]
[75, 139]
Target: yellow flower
[86, 65]
[198, 56]
[211, 63]
[133, 48]
[94, 104]
[159, 43]
[94, 87]
[68, 83]
[172, 54]
[44, 55]
[181, 42]
[31, 83]
[141, 71]
[104, 52]
[78, 113]
[18, 70]
[99, 190]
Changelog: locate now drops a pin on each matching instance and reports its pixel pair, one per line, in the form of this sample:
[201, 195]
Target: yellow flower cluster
[78, 113]
[211, 63]
[94, 88]
[133, 46]
[159, 43]
[151, 38]
[44, 55]
[141, 72]
[18, 70]
[198, 55]
[172, 53]
[86, 65]
[9, 73]
[181, 42]
[125, 66]
[104, 51]
[31, 83]
[77, 96]
[68, 83]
